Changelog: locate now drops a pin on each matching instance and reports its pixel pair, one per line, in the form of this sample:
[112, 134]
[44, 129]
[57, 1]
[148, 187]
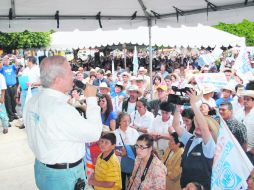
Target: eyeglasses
[141, 147]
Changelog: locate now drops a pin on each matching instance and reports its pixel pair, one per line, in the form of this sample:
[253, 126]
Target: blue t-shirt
[9, 72]
[114, 94]
[112, 116]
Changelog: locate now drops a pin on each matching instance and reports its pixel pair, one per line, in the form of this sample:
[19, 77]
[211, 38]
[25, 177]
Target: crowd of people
[138, 138]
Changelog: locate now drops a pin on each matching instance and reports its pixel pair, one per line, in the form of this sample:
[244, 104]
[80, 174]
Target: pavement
[16, 161]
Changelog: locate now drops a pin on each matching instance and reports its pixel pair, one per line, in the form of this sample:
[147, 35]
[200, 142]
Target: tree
[243, 29]
[24, 40]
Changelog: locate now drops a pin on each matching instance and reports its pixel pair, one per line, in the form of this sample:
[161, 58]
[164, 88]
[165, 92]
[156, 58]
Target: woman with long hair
[149, 172]
[188, 119]
[108, 117]
[156, 83]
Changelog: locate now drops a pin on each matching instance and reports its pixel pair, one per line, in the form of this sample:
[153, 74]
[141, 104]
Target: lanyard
[144, 172]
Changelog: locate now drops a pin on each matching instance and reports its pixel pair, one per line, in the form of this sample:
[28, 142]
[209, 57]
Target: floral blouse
[155, 178]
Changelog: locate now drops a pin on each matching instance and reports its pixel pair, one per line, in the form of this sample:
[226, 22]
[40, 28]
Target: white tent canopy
[40, 15]
[185, 36]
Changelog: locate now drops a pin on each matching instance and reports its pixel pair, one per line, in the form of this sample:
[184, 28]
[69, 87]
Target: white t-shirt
[144, 121]
[129, 136]
[32, 73]
[160, 127]
[238, 110]
[248, 121]
[2, 83]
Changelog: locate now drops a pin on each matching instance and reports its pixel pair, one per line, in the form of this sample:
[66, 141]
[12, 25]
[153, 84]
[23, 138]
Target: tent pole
[150, 57]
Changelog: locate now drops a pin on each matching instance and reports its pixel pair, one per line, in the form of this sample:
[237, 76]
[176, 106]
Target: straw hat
[208, 88]
[228, 87]
[126, 74]
[140, 78]
[249, 93]
[213, 126]
[175, 75]
[104, 85]
[142, 69]
[134, 88]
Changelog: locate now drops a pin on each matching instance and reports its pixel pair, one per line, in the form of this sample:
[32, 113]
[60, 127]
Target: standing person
[108, 116]
[159, 127]
[107, 175]
[33, 72]
[56, 132]
[172, 160]
[141, 118]
[9, 72]
[3, 114]
[129, 104]
[154, 105]
[125, 136]
[99, 78]
[199, 149]
[237, 128]
[149, 172]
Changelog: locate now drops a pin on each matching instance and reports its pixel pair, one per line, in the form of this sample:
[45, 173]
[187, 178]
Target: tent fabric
[180, 37]
[38, 15]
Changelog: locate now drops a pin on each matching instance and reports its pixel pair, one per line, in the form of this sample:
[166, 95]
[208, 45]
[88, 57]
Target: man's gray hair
[50, 69]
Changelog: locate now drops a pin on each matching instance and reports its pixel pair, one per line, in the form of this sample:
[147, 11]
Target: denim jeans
[4, 116]
[23, 96]
[57, 179]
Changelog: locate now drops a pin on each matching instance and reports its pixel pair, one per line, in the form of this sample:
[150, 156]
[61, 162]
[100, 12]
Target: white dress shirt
[56, 131]
[160, 127]
[144, 121]
[248, 121]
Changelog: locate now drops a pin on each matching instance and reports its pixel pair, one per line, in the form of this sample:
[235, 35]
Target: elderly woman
[149, 172]
[199, 149]
[172, 160]
[125, 136]
[108, 117]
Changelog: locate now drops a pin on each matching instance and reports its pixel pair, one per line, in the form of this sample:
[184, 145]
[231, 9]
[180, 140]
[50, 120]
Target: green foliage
[24, 40]
[243, 29]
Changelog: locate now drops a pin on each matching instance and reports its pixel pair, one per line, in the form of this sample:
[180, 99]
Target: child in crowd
[107, 170]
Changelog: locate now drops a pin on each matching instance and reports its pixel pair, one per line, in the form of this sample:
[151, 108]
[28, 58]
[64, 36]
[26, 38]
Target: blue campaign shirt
[220, 100]
[112, 116]
[114, 94]
[9, 72]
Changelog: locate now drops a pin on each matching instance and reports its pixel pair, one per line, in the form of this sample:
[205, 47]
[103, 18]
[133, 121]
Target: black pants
[125, 176]
[10, 102]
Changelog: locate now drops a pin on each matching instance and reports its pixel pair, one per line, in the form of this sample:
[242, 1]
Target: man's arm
[176, 121]
[200, 118]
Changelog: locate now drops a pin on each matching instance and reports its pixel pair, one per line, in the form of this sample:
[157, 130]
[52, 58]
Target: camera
[179, 99]
[80, 184]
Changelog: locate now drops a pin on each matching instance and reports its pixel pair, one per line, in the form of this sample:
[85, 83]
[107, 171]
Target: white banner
[231, 166]
[217, 79]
